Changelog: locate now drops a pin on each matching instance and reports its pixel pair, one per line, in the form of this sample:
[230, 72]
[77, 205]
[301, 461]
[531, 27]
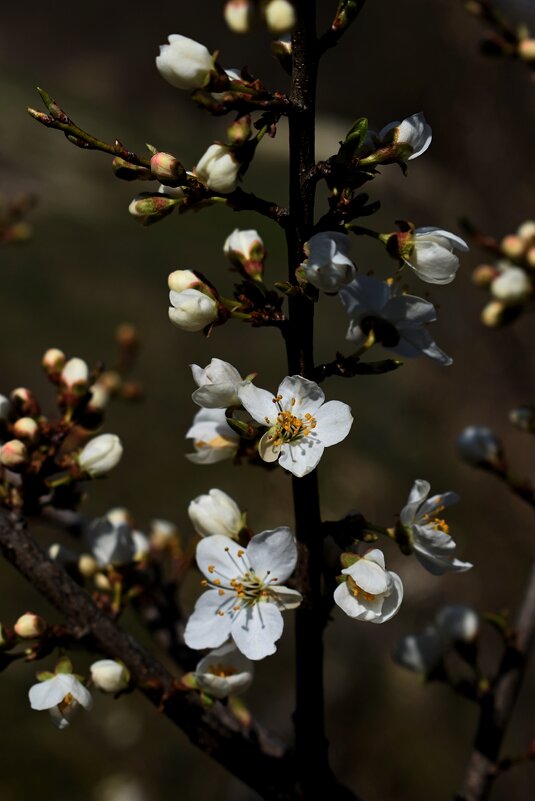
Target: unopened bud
[180, 280]
[87, 565]
[99, 398]
[167, 169]
[13, 454]
[280, 16]
[25, 428]
[109, 676]
[238, 15]
[102, 582]
[526, 231]
[512, 246]
[24, 402]
[246, 250]
[75, 376]
[512, 286]
[484, 275]
[130, 172]
[526, 50]
[54, 361]
[29, 626]
[523, 417]
[148, 208]
[478, 446]
[239, 131]
[492, 314]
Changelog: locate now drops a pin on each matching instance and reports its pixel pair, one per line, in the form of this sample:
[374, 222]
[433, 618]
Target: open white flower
[101, 455]
[224, 672]
[428, 532]
[328, 266]
[431, 255]
[60, 694]
[185, 63]
[300, 424]
[218, 385]
[244, 596]
[216, 513]
[191, 310]
[399, 322]
[512, 286]
[413, 132]
[370, 593]
[218, 169]
[213, 438]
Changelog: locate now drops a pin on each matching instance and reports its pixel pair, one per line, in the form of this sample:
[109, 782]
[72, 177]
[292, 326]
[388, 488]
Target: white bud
[477, 445]
[13, 454]
[215, 513]
[184, 63]
[180, 280]
[162, 534]
[457, 623]
[191, 310]
[280, 16]
[413, 133]
[512, 286]
[26, 428]
[218, 169]
[101, 454]
[218, 384]
[109, 676]
[54, 361]
[526, 231]
[75, 373]
[29, 626]
[238, 15]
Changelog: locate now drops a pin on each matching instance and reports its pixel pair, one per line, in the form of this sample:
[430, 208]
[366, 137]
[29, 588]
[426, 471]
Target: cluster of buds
[510, 279]
[40, 459]
[279, 15]
[13, 213]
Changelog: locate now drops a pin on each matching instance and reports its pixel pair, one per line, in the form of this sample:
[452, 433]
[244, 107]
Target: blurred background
[90, 266]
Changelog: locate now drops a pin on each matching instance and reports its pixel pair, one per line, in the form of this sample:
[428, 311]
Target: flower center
[289, 427]
[357, 591]
[247, 587]
[221, 670]
[435, 522]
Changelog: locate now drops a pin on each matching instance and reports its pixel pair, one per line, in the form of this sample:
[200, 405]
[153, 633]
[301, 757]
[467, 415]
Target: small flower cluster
[511, 278]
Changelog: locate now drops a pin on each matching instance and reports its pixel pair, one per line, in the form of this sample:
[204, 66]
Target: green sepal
[356, 134]
[45, 675]
[63, 665]
[349, 558]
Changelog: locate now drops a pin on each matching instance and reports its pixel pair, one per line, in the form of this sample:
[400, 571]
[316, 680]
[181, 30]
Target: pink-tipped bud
[53, 362]
[148, 208]
[512, 246]
[167, 169]
[238, 15]
[30, 626]
[484, 275]
[239, 131]
[26, 429]
[13, 454]
[179, 280]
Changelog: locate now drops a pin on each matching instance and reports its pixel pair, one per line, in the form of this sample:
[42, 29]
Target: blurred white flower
[478, 445]
[213, 438]
[512, 286]
[113, 541]
[328, 266]
[224, 671]
[431, 254]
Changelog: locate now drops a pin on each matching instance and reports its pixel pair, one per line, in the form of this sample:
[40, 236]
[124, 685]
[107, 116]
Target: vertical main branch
[311, 743]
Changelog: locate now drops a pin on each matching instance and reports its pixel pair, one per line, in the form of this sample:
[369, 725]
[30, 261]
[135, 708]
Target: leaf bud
[150, 208]
[30, 626]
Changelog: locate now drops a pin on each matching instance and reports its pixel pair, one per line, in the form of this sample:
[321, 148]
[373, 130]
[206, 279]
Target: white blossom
[101, 454]
[224, 671]
[300, 424]
[218, 385]
[457, 623]
[216, 513]
[191, 310]
[413, 132]
[109, 676]
[370, 592]
[399, 322]
[245, 594]
[60, 694]
[328, 266]
[431, 254]
[218, 169]
[184, 63]
[478, 445]
[428, 532]
[213, 438]
[512, 286]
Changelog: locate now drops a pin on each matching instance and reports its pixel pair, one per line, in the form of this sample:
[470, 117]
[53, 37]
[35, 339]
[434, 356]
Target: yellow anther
[221, 592]
[204, 582]
[217, 582]
[211, 568]
[240, 553]
[220, 613]
[292, 402]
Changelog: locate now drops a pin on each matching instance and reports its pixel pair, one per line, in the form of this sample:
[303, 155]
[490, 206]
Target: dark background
[90, 266]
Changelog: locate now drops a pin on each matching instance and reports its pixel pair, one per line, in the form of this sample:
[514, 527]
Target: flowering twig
[249, 751]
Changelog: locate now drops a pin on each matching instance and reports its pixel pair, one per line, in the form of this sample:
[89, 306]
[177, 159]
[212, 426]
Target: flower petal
[302, 456]
[259, 403]
[393, 601]
[206, 628]
[334, 421]
[256, 629]
[308, 396]
[419, 492]
[287, 598]
[49, 693]
[273, 552]
[220, 557]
